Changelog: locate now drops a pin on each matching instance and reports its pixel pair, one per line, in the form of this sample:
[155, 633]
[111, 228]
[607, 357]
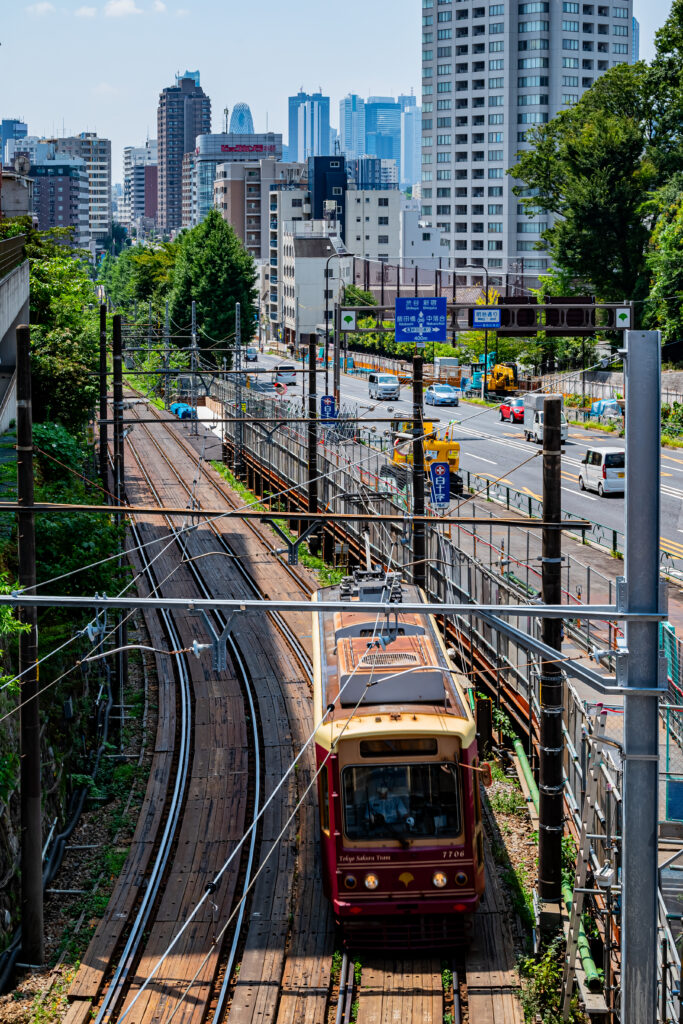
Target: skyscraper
[241, 121]
[635, 45]
[136, 182]
[352, 126]
[490, 73]
[10, 128]
[309, 126]
[383, 128]
[411, 139]
[184, 112]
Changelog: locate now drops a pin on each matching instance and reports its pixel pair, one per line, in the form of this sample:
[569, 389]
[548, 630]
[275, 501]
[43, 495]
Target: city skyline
[90, 94]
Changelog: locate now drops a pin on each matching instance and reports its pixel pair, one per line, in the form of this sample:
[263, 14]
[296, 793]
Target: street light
[482, 269]
[327, 319]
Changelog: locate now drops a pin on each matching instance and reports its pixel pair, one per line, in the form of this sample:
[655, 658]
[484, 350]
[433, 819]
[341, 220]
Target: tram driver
[386, 807]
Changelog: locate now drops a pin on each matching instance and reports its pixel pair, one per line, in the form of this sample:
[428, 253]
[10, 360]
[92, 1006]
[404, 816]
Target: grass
[480, 401]
[508, 801]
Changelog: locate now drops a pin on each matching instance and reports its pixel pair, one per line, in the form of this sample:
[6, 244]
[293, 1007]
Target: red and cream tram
[400, 812]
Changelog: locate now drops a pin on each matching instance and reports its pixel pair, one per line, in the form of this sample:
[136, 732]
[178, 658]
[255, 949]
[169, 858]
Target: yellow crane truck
[439, 446]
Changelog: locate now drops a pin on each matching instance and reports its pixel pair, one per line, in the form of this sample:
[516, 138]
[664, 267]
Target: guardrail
[11, 253]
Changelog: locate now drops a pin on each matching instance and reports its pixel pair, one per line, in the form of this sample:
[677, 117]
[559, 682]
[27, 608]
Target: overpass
[14, 310]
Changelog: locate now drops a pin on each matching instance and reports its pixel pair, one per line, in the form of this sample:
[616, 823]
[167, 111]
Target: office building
[327, 184]
[373, 218]
[352, 126]
[61, 193]
[383, 128]
[184, 112]
[309, 126]
[96, 153]
[490, 73]
[10, 128]
[242, 196]
[635, 40]
[411, 140]
[241, 121]
[213, 150]
[137, 199]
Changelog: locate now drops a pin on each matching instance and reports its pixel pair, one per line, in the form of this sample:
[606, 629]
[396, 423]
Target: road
[498, 450]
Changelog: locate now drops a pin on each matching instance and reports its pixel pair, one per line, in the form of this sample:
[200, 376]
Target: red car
[513, 410]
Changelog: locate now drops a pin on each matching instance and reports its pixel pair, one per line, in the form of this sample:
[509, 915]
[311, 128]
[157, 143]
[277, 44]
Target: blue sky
[100, 64]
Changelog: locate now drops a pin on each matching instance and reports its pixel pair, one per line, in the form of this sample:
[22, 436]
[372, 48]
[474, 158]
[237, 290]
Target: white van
[603, 470]
[383, 385]
[285, 374]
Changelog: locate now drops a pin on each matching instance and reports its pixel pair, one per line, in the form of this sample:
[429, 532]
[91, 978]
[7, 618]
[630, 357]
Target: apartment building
[184, 112]
[314, 266]
[212, 151]
[61, 193]
[491, 72]
[137, 200]
[96, 153]
[242, 196]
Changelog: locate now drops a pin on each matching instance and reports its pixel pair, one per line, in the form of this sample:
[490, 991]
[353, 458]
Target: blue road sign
[328, 409]
[486, 317]
[440, 477]
[420, 320]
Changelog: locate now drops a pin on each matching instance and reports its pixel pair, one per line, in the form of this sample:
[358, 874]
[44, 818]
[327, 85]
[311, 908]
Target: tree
[216, 271]
[665, 261]
[592, 167]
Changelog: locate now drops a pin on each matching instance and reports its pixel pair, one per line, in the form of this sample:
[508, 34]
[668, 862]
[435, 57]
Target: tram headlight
[371, 881]
[350, 881]
[461, 878]
[439, 879]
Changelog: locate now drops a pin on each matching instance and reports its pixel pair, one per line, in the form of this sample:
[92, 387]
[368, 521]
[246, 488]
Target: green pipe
[593, 979]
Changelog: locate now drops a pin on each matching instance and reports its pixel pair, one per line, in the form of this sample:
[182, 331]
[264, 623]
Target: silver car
[383, 385]
[603, 470]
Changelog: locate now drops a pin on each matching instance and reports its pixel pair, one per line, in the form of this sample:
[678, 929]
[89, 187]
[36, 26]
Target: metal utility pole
[166, 343]
[103, 396]
[551, 811]
[419, 550]
[239, 427]
[337, 354]
[30, 782]
[193, 364]
[121, 631]
[149, 329]
[312, 434]
[639, 917]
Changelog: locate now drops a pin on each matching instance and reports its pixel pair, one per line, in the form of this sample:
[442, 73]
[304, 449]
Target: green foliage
[355, 296]
[542, 986]
[216, 271]
[508, 801]
[56, 448]
[664, 260]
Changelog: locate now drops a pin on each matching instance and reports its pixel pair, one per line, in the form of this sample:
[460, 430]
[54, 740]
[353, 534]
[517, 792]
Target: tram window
[408, 747]
[324, 801]
[373, 632]
[393, 801]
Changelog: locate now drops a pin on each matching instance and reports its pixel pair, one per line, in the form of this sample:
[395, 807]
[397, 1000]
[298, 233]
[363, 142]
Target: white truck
[533, 417]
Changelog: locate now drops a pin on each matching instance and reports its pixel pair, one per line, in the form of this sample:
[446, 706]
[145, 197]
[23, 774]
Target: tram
[398, 785]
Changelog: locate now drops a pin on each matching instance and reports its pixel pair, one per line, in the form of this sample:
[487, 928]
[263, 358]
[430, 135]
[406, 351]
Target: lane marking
[671, 458]
[570, 490]
[482, 459]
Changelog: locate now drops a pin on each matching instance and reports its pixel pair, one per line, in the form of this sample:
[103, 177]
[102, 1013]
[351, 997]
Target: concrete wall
[14, 306]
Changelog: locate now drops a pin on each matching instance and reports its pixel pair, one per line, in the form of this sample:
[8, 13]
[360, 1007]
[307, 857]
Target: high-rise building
[96, 153]
[241, 194]
[352, 126]
[327, 183]
[635, 44]
[136, 199]
[372, 172]
[309, 126]
[10, 128]
[383, 128]
[241, 121]
[184, 112]
[210, 152]
[411, 140]
[61, 192]
[490, 73]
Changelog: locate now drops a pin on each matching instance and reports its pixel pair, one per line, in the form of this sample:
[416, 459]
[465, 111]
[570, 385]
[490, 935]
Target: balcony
[273, 243]
[273, 261]
[273, 207]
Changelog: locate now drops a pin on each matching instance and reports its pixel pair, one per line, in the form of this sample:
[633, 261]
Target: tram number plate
[452, 854]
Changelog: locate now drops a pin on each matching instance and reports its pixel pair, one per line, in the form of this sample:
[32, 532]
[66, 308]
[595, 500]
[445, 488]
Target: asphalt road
[498, 450]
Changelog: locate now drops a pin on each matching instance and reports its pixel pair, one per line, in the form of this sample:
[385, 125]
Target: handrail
[12, 253]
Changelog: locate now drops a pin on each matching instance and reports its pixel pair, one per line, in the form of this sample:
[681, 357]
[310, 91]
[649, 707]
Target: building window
[570, 44]
[496, 46]
[495, 172]
[533, 26]
[443, 86]
[426, 236]
[620, 47]
[334, 163]
[444, 193]
[532, 227]
[531, 81]
[383, 202]
[495, 136]
[570, 62]
[571, 80]
[495, 227]
[570, 8]
[534, 44]
[495, 154]
[443, 140]
[385, 220]
[620, 12]
[494, 190]
[497, 28]
[532, 100]
[444, 33]
[444, 175]
[443, 104]
[383, 239]
[497, 100]
[443, 16]
[444, 69]
[570, 26]
[495, 209]
[619, 30]
[534, 8]
[496, 9]
[493, 245]
[444, 51]
[443, 158]
[496, 65]
[496, 118]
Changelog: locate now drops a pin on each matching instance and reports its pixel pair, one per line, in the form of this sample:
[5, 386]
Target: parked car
[513, 410]
[285, 373]
[442, 394]
[603, 470]
[251, 355]
[383, 385]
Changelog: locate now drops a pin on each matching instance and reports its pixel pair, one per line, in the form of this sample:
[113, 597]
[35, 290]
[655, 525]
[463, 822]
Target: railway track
[284, 941]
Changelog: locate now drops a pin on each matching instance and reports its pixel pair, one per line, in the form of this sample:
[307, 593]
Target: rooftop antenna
[266, 120]
[225, 119]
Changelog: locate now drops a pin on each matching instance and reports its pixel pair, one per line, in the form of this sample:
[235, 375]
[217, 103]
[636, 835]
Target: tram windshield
[401, 801]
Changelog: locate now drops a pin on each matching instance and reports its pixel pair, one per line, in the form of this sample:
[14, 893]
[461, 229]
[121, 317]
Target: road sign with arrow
[420, 320]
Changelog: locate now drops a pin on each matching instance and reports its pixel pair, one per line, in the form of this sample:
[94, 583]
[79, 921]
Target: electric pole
[193, 364]
[336, 346]
[121, 631]
[312, 436]
[239, 431]
[551, 810]
[419, 566]
[30, 782]
[166, 343]
[104, 469]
